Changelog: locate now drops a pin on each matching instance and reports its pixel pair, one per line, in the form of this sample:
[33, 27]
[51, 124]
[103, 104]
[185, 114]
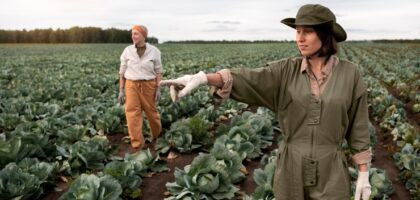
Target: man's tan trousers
[140, 96]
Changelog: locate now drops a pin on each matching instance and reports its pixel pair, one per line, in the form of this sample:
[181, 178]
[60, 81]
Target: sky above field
[213, 19]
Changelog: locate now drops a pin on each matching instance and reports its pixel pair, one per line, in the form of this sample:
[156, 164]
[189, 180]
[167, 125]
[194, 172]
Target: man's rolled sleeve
[158, 63]
[124, 61]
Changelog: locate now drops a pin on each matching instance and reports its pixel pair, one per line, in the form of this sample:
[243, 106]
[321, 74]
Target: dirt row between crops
[382, 159]
[386, 147]
[153, 187]
[412, 117]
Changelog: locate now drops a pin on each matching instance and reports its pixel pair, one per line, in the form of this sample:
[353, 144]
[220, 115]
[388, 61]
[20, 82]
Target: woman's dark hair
[329, 43]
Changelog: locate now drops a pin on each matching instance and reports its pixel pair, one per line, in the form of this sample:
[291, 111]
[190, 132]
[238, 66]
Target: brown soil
[63, 186]
[153, 188]
[383, 152]
[412, 117]
[248, 185]
[386, 147]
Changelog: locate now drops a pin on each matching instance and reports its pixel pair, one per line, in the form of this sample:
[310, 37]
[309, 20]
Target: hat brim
[338, 31]
[289, 22]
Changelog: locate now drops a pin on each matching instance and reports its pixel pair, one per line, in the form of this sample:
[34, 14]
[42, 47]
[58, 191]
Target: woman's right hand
[121, 96]
[363, 188]
[184, 85]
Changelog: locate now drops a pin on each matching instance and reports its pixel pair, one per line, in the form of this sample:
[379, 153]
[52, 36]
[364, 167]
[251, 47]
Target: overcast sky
[213, 19]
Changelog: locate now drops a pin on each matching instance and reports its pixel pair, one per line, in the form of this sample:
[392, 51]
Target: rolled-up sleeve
[124, 62]
[358, 133]
[158, 63]
[223, 93]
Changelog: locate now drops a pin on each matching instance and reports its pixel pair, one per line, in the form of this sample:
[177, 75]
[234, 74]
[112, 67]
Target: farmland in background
[62, 131]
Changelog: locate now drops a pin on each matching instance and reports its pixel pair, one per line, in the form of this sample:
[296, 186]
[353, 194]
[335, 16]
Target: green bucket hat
[315, 14]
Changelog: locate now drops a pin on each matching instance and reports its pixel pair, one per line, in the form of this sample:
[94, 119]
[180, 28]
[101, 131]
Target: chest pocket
[147, 65]
[133, 59]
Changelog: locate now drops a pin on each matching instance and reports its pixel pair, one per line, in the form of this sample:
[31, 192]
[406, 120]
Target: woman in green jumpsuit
[320, 101]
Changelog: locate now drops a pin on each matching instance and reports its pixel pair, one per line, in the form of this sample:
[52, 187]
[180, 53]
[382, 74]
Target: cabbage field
[62, 132]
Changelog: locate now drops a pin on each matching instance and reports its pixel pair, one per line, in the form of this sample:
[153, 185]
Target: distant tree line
[113, 35]
[72, 35]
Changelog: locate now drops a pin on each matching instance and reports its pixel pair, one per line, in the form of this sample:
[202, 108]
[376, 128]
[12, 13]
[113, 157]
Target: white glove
[184, 85]
[363, 186]
[157, 96]
[121, 96]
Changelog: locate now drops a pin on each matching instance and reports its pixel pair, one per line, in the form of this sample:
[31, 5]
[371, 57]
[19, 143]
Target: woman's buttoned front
[145, 67]
[311, 162]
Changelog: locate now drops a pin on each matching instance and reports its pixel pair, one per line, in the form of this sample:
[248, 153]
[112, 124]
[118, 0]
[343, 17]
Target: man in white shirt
[140, 74]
